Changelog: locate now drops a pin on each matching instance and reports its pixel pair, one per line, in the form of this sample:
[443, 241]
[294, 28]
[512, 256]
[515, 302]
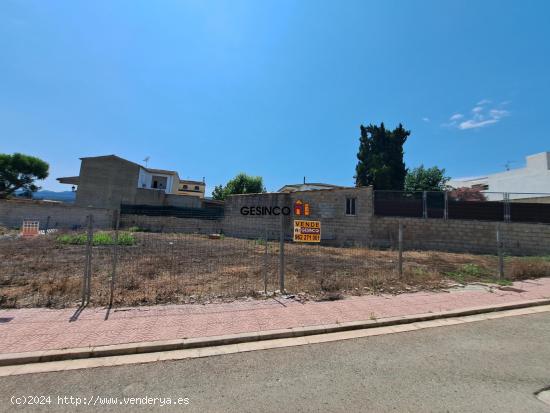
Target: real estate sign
[307, 231]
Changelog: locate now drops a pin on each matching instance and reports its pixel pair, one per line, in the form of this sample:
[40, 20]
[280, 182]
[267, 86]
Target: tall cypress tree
[381, 157]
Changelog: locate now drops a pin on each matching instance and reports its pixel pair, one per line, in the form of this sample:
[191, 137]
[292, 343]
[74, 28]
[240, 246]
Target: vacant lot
[157, 268]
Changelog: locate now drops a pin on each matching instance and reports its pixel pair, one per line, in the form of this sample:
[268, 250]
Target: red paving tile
[43, 329]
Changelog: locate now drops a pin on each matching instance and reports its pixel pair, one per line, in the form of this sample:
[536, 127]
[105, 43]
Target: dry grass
[180, 268]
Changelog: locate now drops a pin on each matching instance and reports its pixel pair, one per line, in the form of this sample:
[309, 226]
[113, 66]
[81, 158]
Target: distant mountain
[62, 196]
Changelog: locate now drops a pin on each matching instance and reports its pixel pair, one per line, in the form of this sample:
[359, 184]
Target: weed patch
[99, 238]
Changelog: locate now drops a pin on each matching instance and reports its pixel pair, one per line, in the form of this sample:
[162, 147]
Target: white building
[532, 181]
[307, 186]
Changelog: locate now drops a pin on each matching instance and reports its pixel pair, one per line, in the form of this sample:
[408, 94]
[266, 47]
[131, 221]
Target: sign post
[282, 256]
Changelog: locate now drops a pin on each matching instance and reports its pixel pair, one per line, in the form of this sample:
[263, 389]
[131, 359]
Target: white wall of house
[527, 182]
[145, 180]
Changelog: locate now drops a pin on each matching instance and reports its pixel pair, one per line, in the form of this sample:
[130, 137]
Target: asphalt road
[488, 366]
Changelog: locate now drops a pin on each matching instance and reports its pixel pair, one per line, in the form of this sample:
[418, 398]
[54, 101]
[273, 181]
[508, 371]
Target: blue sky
[273, 88]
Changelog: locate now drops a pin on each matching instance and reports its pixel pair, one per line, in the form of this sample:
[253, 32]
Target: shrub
[75, 239]
[125, 238]
[99, 238]
[102, 238]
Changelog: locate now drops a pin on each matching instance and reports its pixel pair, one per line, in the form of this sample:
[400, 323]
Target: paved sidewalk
[42, 329]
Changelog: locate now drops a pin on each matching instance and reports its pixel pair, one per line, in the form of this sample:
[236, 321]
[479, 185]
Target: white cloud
[473, 124]
[483, 102]
[498, 113]
[481, 116]
[426, 119]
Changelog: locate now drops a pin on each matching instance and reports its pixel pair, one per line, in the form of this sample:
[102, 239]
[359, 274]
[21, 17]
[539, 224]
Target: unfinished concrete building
[109, 181]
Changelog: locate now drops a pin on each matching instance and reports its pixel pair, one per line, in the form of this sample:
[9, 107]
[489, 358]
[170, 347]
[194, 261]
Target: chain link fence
[132, 266]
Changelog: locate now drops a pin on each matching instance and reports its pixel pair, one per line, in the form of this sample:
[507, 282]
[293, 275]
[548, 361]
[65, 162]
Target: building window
[350, 206]
[184, 186]
[196, 187]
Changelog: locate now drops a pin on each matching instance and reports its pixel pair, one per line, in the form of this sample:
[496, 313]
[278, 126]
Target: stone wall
[61, 216]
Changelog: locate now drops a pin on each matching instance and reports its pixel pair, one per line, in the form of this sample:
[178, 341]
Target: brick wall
[13, 212]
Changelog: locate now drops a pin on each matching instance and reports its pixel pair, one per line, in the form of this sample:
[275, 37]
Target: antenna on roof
[146, 160]
[508, 164]
[304, 180]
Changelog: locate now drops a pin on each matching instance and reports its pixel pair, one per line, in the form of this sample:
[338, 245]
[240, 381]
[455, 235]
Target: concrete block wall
[462, 235]
[186, 201]
[61, 216]
[236, 224]
[106, 182]
[160, 198]
[171, 224]
[329, 207]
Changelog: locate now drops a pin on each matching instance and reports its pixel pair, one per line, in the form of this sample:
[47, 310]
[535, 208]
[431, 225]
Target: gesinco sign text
[265, 210]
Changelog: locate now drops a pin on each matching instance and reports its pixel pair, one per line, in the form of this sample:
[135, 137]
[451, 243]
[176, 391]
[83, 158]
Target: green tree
[381, 157]
[241, 184]
[19, 171]
[426, 179]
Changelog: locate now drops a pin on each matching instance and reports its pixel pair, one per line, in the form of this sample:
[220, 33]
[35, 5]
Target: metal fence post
[500, 254]
[115, 257]
[87, 280]
[400, 246]
[446, 206]
[507, 214]
[424, 204]
[85, 274]
[282, 256]
[90, 249]
[265, 261]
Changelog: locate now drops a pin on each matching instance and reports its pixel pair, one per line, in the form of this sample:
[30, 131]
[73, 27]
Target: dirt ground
[183, 268]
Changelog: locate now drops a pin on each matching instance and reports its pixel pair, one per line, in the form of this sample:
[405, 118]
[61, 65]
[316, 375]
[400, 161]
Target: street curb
[11, 359]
